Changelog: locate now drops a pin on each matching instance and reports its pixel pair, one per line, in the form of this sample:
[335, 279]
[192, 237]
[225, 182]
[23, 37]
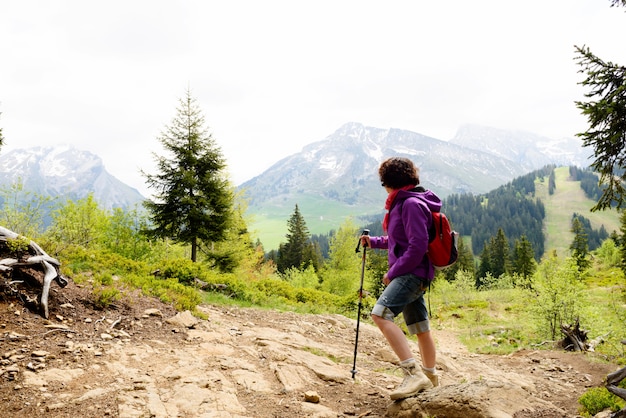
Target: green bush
[276, 287]
[598, 399]
[184, 270]
[104, 296]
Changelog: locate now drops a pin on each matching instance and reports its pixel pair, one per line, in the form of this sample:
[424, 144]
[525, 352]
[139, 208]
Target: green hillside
[271, 227]
[569, 198]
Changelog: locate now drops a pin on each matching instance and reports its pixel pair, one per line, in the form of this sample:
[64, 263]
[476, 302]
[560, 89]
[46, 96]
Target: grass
[271, 227]
[488, 322]
[568, 198]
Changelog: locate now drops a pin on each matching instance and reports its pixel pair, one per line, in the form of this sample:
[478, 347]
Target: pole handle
[358, 245]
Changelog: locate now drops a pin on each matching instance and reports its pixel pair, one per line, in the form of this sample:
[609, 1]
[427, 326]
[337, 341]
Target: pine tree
[499, 254]
[580, 247]
[551, 183]
[296, 252]
[606, 114]
[524, 263]
[193, 197]
[465, 262]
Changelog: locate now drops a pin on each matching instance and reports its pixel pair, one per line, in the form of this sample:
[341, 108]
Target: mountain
[530, 150]
[67, 173]
[337, 178]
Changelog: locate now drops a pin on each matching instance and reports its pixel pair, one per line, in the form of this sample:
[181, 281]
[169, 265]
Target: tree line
[502, 232]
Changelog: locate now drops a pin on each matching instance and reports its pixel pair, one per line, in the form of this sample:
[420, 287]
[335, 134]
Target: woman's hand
[386, 280]
[365, 241]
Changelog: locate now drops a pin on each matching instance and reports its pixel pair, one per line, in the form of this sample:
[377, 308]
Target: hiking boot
[414, 381]
[433, 377]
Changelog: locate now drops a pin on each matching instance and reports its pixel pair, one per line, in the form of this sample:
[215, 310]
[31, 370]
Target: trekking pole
[358, 316]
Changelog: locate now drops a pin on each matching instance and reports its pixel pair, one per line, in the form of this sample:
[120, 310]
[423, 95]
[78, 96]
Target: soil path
[142, 359]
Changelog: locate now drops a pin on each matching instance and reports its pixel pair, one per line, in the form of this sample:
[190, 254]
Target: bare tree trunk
[34, 257]
[574, 337]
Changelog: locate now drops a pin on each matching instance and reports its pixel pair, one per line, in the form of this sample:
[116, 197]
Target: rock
[318, 411]
[153, 312]
[476, 399]
[183, 319]
[311, 396]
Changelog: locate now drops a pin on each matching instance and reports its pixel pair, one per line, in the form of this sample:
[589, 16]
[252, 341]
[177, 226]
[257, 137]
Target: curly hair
[397, 172]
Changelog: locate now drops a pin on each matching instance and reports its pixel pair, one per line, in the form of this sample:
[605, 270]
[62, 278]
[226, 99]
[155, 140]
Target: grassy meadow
[271, 227]
[567, 199]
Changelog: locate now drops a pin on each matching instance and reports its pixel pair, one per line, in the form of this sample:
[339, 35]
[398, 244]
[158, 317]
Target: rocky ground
[140, 358]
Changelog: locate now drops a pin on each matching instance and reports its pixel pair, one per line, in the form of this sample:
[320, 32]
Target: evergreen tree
[193, 197]
[579, 247]
[296, 252]
[499, 254]
[524, 263]
[606, 114]
[551, 183]
[236, 248]
[465, 262]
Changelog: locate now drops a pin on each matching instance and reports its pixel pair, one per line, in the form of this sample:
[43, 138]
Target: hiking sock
[407, 362]
[432, 370]
[431, 374]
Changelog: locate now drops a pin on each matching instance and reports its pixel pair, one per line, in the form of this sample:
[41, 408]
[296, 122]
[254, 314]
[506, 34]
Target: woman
[406, 224]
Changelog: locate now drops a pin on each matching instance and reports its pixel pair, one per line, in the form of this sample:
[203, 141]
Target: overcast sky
[273, 76]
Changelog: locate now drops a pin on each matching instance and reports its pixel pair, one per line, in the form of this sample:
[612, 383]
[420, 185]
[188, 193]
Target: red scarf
[390, 198]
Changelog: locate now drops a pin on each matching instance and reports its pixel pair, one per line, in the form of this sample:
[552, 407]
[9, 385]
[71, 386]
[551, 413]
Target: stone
[311, 396]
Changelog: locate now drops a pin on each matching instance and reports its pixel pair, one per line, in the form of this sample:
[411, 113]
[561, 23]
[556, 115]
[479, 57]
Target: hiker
[406, 224]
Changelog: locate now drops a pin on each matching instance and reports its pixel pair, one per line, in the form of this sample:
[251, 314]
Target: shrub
[598, 399]
[105, 296]
[184, 270]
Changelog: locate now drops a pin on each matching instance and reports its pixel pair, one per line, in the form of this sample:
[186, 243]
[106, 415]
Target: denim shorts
[404, 294]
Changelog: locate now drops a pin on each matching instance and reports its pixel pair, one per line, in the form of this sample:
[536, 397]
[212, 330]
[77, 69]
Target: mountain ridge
[336, 178]
[331, 180]
[66, 171]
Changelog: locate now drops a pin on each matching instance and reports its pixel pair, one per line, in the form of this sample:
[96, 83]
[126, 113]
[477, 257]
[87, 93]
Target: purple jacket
[407, 234]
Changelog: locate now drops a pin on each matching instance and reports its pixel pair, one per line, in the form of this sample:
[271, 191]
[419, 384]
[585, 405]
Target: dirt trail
[141, 359]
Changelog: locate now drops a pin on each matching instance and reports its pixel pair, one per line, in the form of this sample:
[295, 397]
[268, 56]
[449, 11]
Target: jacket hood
[427, 196]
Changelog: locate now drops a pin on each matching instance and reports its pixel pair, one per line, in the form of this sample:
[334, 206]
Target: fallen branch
[574, 337]
[35, 256]
[117, 321]
[612, 382]
[543, 343]
[58, 329]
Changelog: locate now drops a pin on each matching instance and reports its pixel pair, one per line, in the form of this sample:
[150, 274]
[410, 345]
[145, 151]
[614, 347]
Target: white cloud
[274, 76]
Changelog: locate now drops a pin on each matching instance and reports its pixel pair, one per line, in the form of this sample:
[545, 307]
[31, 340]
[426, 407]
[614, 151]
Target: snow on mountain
[532, 151]
[337, 176]
[67, 173]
